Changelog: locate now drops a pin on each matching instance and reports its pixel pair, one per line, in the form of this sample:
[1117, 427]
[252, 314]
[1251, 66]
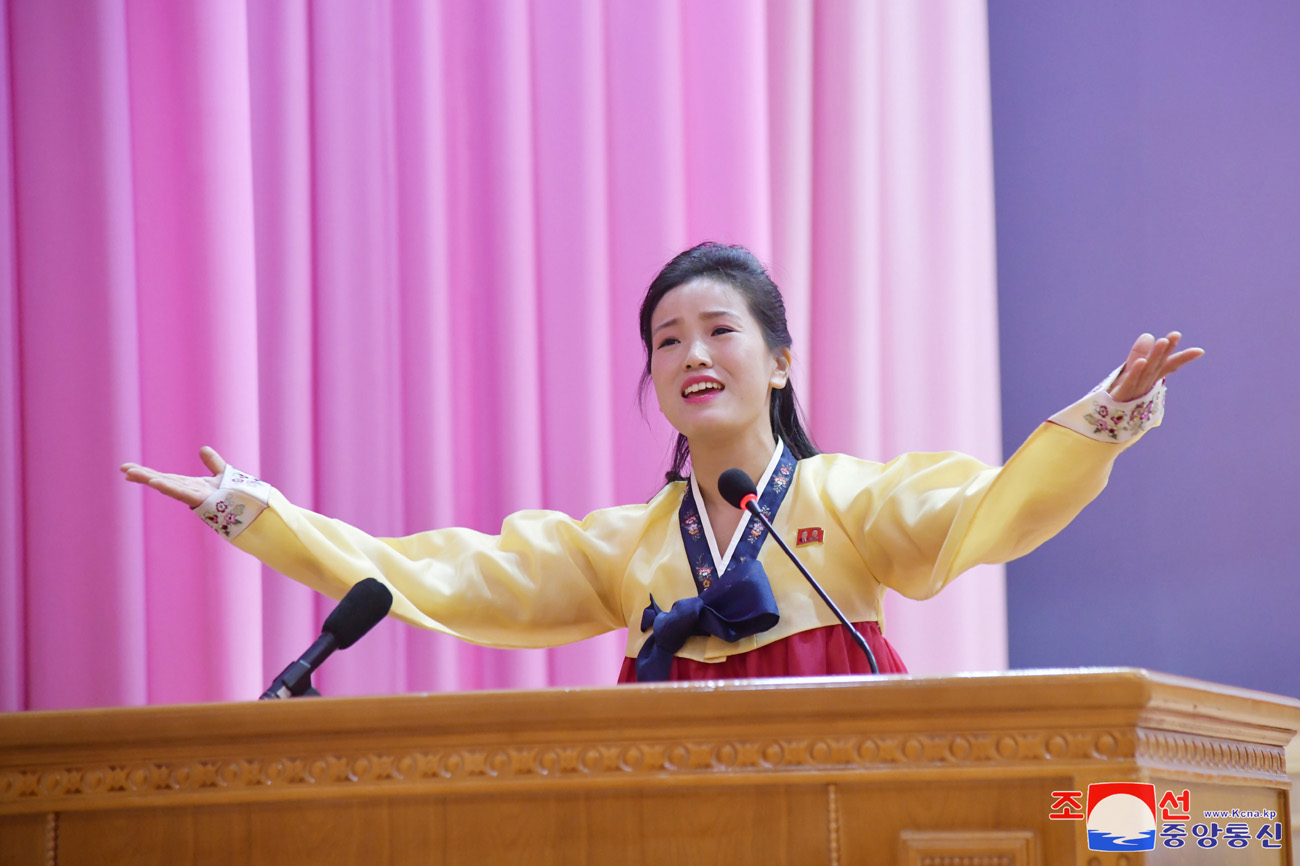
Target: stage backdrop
[1148, 176]
[388, 256]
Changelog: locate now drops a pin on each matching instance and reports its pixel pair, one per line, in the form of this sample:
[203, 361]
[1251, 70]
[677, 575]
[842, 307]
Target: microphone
[738, 490]
[361, 609]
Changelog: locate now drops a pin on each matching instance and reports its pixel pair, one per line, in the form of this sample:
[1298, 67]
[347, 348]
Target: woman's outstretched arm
[545, 579]
[929, 517]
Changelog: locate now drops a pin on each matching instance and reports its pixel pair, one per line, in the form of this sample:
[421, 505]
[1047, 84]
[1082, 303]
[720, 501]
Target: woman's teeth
[699, 387]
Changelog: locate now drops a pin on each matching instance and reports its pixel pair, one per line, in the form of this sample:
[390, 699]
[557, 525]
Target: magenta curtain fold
[389, 256]
[13, 631]
[82, 577]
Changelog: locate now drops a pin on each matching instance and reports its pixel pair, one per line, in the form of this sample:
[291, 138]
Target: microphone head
[360, 610]
[735, 485]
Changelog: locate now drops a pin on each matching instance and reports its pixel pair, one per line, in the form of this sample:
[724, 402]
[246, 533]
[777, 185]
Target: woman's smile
[701, 389]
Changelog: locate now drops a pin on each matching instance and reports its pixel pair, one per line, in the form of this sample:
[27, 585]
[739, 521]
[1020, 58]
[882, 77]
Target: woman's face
[711, 367]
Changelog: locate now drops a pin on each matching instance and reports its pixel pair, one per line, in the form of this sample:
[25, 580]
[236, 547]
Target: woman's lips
[700, 389]
[703, 396]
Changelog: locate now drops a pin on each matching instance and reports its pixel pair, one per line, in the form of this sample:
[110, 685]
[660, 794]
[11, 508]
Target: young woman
[691, 577]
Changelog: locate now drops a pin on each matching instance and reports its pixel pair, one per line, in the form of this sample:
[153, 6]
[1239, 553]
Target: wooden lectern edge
[1135, 694]
[978, 725]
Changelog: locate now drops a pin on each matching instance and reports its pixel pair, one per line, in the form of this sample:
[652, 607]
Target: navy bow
[739, 606]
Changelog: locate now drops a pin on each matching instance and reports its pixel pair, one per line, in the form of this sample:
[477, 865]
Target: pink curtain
[388, 255]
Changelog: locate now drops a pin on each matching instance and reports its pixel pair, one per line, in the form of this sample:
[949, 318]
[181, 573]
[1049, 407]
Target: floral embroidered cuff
[235, 504]
[1101, 417]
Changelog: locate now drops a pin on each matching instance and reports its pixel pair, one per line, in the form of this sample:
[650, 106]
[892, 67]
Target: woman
[690, 576]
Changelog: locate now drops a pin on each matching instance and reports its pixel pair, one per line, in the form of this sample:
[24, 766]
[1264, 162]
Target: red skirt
[819, 652]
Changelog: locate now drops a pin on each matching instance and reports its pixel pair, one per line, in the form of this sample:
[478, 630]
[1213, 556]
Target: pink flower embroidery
[230, 509]
[1134, 421]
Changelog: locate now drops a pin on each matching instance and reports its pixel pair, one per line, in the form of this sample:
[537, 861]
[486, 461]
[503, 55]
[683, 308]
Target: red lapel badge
[811, 535]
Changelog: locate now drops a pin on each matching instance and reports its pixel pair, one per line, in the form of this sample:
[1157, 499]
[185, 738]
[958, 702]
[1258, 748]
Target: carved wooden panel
[967, 848]
[649, 760]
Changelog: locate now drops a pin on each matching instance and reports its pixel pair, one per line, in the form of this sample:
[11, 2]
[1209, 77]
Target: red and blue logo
[1121, 816]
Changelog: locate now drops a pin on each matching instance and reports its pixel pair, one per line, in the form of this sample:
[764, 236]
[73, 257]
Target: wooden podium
[891, 770]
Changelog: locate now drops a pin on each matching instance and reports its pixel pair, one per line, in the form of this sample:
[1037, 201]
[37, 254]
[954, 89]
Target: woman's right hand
[190, 489]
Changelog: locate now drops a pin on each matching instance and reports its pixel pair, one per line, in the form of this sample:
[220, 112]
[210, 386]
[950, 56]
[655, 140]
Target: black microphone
[738, 489]
[360, 610]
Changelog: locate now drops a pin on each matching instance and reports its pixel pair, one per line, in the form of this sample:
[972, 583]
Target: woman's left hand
[1149, 361]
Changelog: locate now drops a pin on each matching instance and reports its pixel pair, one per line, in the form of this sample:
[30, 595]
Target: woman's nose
[698, 356]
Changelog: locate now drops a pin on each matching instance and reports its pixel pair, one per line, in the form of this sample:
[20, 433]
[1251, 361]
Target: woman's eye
[667, 341]
[722, 329]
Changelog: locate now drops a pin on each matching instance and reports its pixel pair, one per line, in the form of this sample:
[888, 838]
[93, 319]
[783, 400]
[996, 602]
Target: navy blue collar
[703, 568]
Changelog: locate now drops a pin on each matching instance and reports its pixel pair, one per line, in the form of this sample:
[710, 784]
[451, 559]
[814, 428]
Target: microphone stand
[751, 505]
[291, 683]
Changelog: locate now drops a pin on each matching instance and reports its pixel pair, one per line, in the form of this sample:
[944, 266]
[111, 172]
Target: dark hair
[740, 269]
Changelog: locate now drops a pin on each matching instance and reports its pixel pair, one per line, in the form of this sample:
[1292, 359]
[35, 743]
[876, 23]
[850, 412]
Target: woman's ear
[781, 375]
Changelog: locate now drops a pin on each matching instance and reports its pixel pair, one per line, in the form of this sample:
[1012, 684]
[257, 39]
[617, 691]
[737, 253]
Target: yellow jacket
[911, 525]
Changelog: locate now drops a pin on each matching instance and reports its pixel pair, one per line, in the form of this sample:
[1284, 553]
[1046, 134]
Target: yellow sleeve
[922, 519]
[546, 579]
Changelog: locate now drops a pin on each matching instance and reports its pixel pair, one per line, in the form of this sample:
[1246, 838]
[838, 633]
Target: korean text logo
[1121, 816]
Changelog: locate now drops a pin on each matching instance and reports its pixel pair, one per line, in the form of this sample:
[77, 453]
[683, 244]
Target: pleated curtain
[388, 255]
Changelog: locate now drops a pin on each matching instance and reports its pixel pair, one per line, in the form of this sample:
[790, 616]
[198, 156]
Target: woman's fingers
[137, 473]
[212, 459]
[1141, 348]
[1153, 369]
[1182, 359]
[1134, 366]
[191, 491]
[1126, 382]
[1149, 361]
[184, 488]
[1171, 360]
